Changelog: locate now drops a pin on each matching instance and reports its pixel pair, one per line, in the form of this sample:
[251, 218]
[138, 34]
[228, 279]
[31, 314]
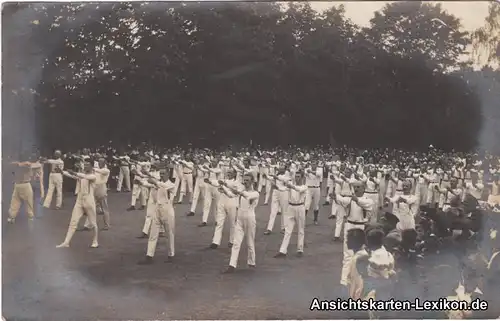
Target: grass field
[41, 282]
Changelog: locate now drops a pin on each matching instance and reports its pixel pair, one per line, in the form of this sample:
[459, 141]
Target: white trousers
[432, 194]
[139, 191]
[55, 183]
[187, 181]
[245, 226]
[123, 175]
[279, 203]
[211, 194]
[265, 183]
[225, 209]
[199, 189]
[348, 254]
[294, 215]
[374, 197]
[165, 216]
[339, 212]
[150, 215]
[312, 198]
[84, 205]
[442, 196]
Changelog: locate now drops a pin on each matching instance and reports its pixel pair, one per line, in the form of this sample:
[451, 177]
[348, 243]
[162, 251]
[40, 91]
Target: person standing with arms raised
[55, 180]
[245, 222]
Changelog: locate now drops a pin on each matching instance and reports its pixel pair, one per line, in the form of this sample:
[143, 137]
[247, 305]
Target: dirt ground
[41, 282]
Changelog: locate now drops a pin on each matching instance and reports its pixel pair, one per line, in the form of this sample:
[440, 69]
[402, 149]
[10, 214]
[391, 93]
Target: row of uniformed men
[295, 189]
[313, 180]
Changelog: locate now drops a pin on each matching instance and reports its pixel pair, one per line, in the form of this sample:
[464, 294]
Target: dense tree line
[227, 73]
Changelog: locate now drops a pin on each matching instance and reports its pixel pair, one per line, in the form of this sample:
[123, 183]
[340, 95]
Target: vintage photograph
[250, 160]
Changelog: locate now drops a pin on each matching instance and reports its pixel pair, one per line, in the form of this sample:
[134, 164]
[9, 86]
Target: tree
[487, 38]
[420, 31]
[227, 73]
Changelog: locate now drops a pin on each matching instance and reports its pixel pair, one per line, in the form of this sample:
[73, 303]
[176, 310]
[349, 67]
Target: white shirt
[214, 173]
[313, 179]
[449, 196]
[357, 210]
[102, 175]
[145, 165]
[163, 193]
[55, 163]
[477, 191]
[345, 186]
[432, 177]
[230, 196]
[279, 182]
[247, 204]
[404, 211]
[124, 160]
[86, 184]
[297, 195]
[372, 185]
[187, 167]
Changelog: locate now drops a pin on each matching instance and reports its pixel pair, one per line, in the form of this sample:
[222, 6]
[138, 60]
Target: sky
[472, 13]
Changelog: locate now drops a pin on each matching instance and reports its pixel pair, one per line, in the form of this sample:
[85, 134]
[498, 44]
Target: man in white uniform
[165, 216]
[199, 187]
[55, 180]
[85, 204]
[245, 222]
[314, 176]
[211, 193]
[357, 207]
[187, 178]
[138, 190]
[295, 214]
[152, 201]
[279, 200]
[123, 162]
[226, 208]
[403, 207]
[101, 193]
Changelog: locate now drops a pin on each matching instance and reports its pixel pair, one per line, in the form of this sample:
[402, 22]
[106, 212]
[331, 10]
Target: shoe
[62, 245]
[267, 232]
[230, 269]
[213, 246]
[142, 236]
[190, 214]
[203, 224]
[94, 245]
[279, 255]
[146, 261]
[131, 208]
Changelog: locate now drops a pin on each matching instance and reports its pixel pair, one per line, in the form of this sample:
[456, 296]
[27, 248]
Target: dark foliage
[212, 74]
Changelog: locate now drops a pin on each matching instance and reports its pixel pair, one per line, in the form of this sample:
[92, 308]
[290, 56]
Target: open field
[41, 282]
